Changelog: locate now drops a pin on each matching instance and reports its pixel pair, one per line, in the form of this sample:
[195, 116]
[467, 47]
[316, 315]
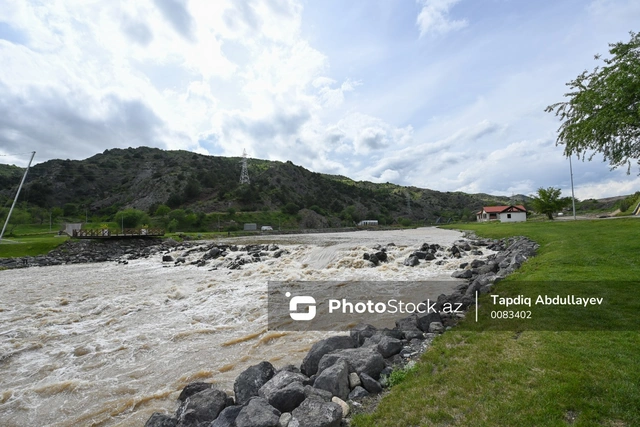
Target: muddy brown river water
[109, 344]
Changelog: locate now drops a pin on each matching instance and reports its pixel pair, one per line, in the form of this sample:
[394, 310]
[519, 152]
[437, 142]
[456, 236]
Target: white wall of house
[513, 216]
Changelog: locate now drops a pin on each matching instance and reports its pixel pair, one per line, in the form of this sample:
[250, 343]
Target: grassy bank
[30, 240]
[541, 378]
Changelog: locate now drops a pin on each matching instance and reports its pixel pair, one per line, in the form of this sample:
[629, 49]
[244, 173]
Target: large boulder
[316, 413]
[201, 407]
[363, 359]
[248, 383]
[427, 319]
[335, 379]
[369, 384]
[361, 332]
[412, 261]
[258, 413]
[317, 393]
[280, 380]
[310, 363]
[161, 420]
[288, 398]
[193, 388]
[388, 346]
[227, 417]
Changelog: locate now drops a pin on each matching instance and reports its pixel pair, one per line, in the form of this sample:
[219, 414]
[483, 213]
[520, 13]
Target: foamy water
[109, 344]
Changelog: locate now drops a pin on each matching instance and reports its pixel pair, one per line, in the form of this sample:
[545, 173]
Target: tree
[162, 210]
[131, 218]
[548, 201]
[602, 114]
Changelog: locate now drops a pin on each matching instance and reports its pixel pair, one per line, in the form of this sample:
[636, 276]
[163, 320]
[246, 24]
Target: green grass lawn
[534, 378]
[30, 240]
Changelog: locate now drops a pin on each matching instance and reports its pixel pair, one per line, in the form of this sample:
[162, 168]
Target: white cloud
[434, 17]
[217, 77]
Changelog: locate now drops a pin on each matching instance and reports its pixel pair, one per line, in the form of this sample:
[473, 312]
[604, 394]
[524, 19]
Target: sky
[441, 94]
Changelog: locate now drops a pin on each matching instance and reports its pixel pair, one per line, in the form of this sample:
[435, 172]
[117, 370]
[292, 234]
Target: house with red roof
[513, 213]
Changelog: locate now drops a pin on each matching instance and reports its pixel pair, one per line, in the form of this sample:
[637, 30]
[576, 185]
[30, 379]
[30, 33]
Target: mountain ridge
[145, 178]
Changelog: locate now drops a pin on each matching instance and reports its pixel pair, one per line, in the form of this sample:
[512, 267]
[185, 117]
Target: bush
[290, 208]
[399, 375]
[131, 218]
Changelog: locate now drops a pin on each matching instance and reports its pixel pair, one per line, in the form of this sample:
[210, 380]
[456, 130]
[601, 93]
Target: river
[108, 344]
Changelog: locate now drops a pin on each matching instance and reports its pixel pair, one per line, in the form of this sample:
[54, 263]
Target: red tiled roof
[499, 209]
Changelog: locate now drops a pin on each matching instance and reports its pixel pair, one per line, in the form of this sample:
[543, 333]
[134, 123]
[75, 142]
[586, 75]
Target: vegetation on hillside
[195, 192]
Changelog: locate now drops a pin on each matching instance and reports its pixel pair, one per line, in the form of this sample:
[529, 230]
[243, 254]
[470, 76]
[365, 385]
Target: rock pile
[481, 275]
[335, 370]
[122, 251]
[84, 251]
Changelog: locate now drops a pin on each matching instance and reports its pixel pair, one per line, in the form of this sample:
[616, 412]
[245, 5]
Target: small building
[512, 213]
[250, 226]
[368, 223]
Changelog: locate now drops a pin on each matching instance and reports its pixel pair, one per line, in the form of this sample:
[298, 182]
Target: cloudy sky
[440, 94]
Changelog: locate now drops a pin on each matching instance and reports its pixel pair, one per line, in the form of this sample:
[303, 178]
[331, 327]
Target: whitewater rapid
[108, 344]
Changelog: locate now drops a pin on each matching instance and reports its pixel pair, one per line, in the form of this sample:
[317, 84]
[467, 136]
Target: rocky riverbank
[340, 371]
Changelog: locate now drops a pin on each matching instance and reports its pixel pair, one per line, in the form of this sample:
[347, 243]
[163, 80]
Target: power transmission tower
[244, 174]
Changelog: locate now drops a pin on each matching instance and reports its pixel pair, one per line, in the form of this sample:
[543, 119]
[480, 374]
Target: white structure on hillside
[512, 213]
[244, 174]
[368, 222]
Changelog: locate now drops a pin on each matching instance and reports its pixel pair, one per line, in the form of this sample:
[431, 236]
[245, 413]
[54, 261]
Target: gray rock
[360, 360]
[408, 323]
[427, 319]
[193, 388]
[370, 384]
[343, 405]
[335, 379]
[227, 418]
[358, 393]
[420, 254]
[354, 380]
[317, 393]
[315, 413]
[477, 263]
[382, 256]
[310, 363]
[167, 258]
[360, 333]
[388, 346]
[161, 420]
[201, 407]
[287, 399]
[285, 419]
[279, 381]
[436, 328]
[412, 261]
[248, 383]
[462, 274]
[258, 413]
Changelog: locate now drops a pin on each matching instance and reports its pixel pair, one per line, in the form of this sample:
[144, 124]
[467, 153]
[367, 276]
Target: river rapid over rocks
[110, 343]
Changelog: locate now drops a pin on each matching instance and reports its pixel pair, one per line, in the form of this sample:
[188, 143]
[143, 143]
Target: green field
[534, 378]
[30, 240]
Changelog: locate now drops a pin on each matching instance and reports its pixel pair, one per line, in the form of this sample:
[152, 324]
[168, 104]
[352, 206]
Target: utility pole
[17, 194]
[573, 197]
